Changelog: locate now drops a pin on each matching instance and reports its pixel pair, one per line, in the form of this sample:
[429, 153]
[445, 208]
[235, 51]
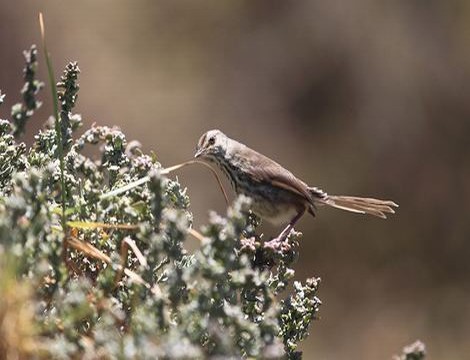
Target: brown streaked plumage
[277, 194]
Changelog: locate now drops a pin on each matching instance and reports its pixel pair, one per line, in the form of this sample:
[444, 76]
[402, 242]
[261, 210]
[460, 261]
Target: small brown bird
[277, 195]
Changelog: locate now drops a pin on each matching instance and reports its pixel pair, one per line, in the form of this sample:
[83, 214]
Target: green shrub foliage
[98, 289]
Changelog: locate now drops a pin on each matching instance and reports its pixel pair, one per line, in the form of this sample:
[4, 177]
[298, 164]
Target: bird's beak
[198, 153]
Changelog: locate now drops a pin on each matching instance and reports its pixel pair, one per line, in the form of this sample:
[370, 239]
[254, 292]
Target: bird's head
[212, 145]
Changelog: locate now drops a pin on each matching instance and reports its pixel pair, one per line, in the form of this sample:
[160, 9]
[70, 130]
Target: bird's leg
[274, 243]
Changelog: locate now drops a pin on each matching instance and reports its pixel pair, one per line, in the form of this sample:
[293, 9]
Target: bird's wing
[263, 169]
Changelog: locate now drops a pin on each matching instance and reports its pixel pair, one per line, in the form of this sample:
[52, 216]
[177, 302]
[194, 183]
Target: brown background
[357, 97]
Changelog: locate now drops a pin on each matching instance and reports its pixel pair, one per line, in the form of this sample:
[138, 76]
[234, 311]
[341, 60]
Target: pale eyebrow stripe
[203, 139]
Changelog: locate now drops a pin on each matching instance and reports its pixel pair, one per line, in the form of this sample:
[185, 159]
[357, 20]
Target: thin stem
[60, 146]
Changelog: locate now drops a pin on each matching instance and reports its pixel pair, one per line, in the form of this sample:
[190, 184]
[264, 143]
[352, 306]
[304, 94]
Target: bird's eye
[211, 141]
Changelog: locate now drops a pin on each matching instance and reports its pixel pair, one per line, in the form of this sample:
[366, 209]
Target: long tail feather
[375, 207]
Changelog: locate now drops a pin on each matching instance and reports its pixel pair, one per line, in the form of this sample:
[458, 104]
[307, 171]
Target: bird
[276, 194]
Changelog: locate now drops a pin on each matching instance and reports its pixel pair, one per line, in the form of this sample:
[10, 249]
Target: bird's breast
[271, 203]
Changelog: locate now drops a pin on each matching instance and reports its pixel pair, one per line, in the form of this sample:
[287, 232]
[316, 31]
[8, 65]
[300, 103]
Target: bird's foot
[279, 242]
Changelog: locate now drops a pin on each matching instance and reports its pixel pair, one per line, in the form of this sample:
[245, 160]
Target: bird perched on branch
[277, 195]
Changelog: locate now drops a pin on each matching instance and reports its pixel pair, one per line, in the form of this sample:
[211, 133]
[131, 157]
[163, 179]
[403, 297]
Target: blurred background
[356, 97]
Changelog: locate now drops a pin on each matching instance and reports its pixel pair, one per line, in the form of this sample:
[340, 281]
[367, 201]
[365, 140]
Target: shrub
[117, 281]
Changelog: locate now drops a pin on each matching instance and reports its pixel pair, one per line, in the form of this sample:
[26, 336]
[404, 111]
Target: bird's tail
[360, 205]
